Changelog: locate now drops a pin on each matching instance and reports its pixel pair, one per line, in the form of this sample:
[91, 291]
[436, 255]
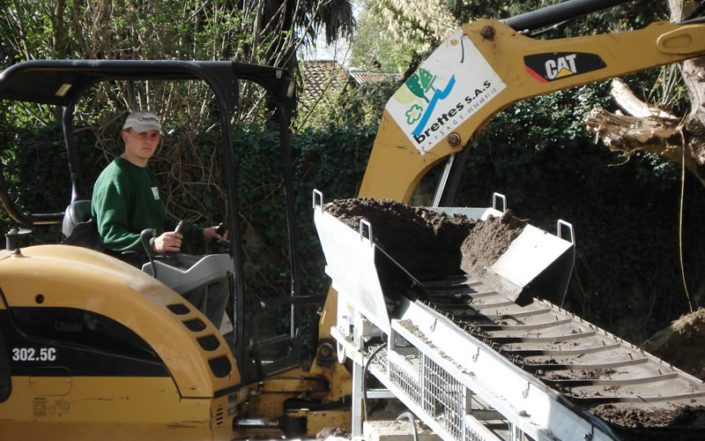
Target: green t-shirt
[125, 202]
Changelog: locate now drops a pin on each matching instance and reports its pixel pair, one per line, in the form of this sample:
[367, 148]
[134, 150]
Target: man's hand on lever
[167, 242]
[214, 234]
[170, 241]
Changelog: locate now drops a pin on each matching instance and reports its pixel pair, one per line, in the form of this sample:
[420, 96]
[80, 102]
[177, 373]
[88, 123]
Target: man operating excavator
[126, 201]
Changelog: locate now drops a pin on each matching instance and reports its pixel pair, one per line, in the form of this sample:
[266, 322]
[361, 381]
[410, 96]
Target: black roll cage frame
[62, 82]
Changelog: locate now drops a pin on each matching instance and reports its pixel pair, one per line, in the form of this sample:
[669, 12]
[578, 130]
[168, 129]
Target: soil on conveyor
[645, 423]
[428, 244]
[432, 245]
[680, 344]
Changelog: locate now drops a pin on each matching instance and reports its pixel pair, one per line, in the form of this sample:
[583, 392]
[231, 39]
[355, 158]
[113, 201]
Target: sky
[339, 50]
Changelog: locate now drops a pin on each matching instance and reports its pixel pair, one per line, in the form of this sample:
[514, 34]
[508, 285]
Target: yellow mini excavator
[94, 348]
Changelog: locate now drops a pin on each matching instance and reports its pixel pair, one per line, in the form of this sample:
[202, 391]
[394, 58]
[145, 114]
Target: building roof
[322, 80]
[362, 77]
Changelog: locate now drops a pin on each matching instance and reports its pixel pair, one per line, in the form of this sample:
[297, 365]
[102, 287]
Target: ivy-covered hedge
[625, 213]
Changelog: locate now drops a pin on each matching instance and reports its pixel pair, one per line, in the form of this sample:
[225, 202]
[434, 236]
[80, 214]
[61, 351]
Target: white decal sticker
[448, 88]
[32, 354]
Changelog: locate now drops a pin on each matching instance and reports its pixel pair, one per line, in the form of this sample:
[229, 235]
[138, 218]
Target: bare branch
[629, 103]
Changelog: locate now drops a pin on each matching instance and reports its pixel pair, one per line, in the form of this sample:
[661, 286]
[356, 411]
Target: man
[126, 201]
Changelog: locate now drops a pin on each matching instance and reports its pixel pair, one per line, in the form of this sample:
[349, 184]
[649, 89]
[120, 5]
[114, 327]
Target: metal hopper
[535, 264]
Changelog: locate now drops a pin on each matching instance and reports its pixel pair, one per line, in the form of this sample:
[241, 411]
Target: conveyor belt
[485, 359]
[598, 371]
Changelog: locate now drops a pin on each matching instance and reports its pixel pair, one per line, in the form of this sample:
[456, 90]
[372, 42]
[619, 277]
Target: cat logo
[561, 67]
[556, 65]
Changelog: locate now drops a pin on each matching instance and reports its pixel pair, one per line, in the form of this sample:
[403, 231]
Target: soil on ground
[682, 343]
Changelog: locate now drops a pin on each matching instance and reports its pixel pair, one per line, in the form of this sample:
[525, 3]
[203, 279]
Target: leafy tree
[375, 47]
[259, 32]
[188, 163]
[249, 31]
[297, 23]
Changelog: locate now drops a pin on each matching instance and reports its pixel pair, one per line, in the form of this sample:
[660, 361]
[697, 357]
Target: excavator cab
[80, 326]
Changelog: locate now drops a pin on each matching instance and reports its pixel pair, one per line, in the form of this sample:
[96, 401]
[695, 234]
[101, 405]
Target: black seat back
[77, 212]
[78, 227]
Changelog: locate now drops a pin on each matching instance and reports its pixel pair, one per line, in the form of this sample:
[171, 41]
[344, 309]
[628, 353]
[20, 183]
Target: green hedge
[625, 213]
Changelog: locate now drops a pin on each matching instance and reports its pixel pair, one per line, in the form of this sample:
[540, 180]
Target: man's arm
[111, 211]
[110, 208]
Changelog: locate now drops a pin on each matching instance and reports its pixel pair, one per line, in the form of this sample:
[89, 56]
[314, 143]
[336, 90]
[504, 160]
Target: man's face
[140, 146]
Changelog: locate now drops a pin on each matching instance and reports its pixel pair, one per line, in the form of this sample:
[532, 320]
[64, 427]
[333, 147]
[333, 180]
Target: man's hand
[168, 241]
[211, 234]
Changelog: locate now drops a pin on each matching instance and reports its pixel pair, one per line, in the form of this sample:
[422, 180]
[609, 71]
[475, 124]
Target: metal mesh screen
[443, 398]
[438, 393]
[473, 435]
[410, 384]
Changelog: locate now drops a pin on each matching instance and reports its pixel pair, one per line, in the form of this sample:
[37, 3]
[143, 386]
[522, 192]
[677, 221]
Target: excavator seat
[78, 227]
[204, 271]
[78, 211]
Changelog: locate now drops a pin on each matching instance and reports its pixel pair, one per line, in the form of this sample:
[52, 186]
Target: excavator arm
[485, 67]
[482, 69]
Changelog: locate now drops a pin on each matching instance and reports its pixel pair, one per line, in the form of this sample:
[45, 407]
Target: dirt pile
[488, 241]
[681, 343]
[426, 243]
[641, 423]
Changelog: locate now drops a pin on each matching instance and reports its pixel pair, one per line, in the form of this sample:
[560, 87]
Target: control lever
[220, 247]
[145, 236]
[222, 228]
[180, 227]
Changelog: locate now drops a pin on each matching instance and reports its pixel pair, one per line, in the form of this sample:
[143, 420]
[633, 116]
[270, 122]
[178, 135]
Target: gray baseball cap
[142, 122]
